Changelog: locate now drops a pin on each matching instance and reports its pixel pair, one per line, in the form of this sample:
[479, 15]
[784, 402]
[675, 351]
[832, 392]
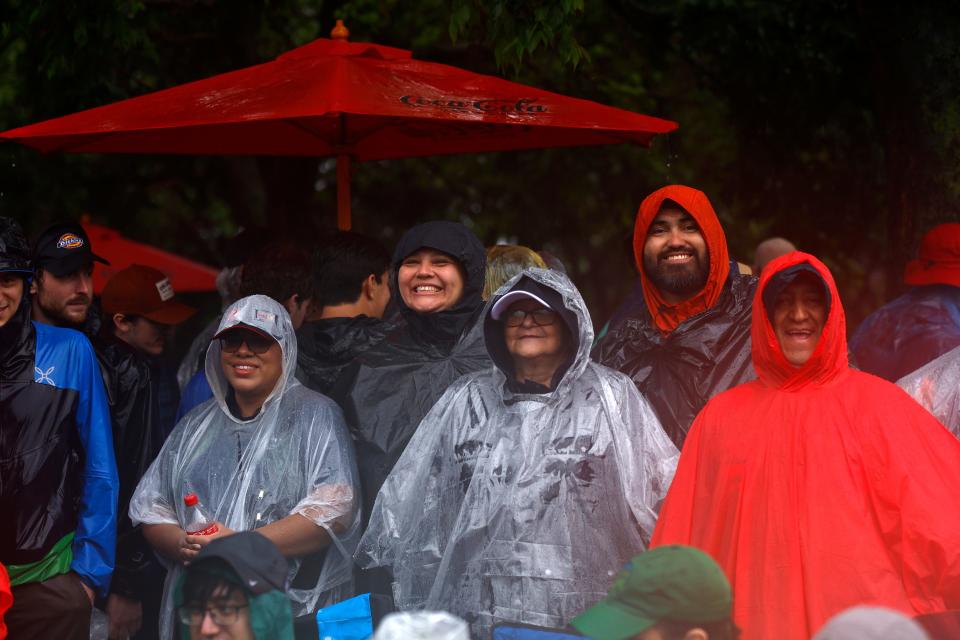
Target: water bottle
[198, 524]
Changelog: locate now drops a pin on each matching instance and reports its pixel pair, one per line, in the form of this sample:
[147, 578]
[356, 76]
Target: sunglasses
[230, 342]
[542, 317]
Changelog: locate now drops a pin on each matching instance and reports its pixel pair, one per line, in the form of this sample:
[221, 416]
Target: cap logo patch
[165, 289]
[264, 316]
[69, 241]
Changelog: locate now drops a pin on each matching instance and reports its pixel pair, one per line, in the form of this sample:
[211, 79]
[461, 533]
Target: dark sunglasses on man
[258, 344]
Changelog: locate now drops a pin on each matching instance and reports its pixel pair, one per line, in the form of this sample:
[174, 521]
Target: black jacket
[325, 348]
[57, 470]
[678, 373]
[140, 427]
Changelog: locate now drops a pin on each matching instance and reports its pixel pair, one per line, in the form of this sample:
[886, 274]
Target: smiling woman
[252, 363]
[438, 270]
[430, 281]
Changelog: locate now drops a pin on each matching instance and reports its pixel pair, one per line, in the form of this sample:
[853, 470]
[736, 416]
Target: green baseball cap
[673, 582]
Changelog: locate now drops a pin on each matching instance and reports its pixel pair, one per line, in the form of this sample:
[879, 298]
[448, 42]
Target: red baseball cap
[939, 260]
[143, 291]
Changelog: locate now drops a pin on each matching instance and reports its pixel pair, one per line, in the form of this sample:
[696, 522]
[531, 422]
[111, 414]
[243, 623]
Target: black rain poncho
[936, 386]
[521, 507]
[679, 372]
[294, 457]
[326, 348]
[389, 388]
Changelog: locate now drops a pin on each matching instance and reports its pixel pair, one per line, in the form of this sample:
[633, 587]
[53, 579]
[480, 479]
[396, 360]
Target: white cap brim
[500, 306]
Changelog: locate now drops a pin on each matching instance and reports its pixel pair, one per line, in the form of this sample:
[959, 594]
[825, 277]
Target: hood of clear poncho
[564, 298]
[267, 316]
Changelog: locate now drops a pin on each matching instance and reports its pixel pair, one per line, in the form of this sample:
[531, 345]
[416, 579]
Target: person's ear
[291, 304]
[369, 287]
[120, 323]
[33, 284]
[696, 634]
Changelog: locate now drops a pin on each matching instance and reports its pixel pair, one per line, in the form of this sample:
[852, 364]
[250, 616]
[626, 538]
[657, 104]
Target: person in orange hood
[690, 338]
[817, 487]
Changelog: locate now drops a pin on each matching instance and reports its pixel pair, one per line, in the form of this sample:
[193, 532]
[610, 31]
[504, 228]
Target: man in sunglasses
[266, 454]
[139, 311]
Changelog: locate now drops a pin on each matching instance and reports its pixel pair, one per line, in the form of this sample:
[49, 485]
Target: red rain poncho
[818, 487]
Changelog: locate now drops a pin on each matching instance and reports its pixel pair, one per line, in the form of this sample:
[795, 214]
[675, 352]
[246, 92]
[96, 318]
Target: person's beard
[684, 280]
[57, 311]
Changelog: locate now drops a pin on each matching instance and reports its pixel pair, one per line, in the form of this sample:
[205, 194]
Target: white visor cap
[500, 306]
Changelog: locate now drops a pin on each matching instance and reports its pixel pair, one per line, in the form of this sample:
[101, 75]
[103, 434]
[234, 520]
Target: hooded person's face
[533, 331]
[430, 281]
[11, 293]
[251, 363]
[675, 255]
[799, 314]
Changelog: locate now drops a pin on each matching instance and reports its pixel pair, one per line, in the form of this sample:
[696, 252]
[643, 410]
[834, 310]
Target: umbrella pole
[343, 192]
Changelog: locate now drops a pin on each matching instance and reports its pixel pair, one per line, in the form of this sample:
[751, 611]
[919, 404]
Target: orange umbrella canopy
[184, 274]
[352, 100]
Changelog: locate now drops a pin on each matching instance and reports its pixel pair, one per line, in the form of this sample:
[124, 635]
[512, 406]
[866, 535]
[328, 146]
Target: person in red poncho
[817, 487]
[6, 599]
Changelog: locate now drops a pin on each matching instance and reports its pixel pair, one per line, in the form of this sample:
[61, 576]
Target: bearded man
[63, 287]
[688, 339]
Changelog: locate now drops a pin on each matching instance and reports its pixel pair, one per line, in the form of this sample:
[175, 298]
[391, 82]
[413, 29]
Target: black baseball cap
[256, 561]
[63, 249]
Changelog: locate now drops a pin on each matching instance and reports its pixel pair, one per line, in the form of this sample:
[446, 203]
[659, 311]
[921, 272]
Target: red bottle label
[212, 529]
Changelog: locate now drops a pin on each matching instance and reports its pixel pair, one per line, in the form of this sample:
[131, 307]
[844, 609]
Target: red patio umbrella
[353, 100]
[184, 274]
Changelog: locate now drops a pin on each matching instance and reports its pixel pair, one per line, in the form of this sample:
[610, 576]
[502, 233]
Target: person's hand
[187, 550]
[125, 615]
[201, 541]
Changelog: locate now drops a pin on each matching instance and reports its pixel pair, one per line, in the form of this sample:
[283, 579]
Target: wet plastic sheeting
[679, 372]
[522, 507]
[908, 332]
[936, 386]
[294, 457]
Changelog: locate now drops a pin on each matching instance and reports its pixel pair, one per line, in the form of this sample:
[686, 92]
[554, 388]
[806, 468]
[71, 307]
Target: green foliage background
[834, 123]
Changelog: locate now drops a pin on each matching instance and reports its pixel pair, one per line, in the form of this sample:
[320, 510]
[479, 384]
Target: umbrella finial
[340, 32]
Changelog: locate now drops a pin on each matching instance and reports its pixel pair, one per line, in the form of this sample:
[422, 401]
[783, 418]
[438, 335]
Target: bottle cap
[190, 499]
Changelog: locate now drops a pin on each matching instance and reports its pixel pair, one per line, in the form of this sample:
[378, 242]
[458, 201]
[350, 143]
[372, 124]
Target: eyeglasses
[258, 344]
[542, 317]
[224, 615]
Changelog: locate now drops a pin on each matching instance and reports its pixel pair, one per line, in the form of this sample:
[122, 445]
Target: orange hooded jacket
[818, 487]
[665, 316]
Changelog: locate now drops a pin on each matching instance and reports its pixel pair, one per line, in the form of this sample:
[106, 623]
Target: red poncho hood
[818, 487]
[829, 359]
[665, 316]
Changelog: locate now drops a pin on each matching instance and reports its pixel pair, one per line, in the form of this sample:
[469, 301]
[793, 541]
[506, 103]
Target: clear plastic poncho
[294, 457]
[512, 507]
[936, 386]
